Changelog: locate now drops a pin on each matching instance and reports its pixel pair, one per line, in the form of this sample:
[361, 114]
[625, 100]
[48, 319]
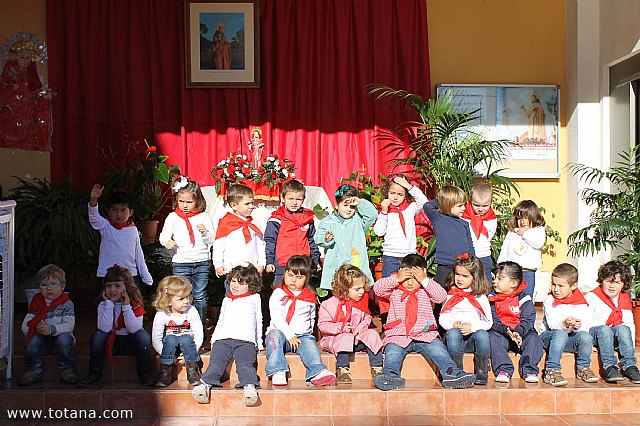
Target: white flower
[285, 172]
[239, 174]
[271, 159]
[244, 157]
[293, 175]
[254, 172]
[276, 164]
[277, 168]
[221, 163]
[226, 172]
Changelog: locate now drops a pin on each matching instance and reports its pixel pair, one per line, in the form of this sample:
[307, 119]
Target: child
[612, 323]
[483, 223]
[120, 332]
[452, 232]
[411, 326]
[48, 327]
[290, 230]
[191, 259]
[513, 319]
[524, 241]
[344, 321]
[120, 241]
[176, 326]
[466, 315]
[238, 240]
[342, 234]
[238, 335]
[564, 327]
[293, 312]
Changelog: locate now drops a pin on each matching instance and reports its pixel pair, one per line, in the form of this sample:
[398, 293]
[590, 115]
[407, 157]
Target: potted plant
[143, 173]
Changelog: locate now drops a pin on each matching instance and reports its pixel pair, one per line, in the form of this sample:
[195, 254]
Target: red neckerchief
[411, 307]
[305, 217]
[305, 295]
[624, 302]
[477, 221]
[185, 216]
[575, 298]
[240, 296]
[457, 296]
[138, 310]
[39, 304]
[230, 222]
[119, 226]
[362, 304]
[399, 209]
[504, 304]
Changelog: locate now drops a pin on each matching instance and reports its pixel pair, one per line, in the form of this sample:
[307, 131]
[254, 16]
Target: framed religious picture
[222, 43]
[527, 115]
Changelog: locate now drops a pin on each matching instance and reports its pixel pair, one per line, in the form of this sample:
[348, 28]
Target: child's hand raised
[402, 182]
[270, 268]
[354, 201]
[419, 273]
[403, 275]
[104, 294]
[125, 298]
[294, 342]
[384, 205]
[96, 192]
[328, 236]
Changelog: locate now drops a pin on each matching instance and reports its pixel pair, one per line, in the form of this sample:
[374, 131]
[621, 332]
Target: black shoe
[94, 377]
[387, 382]
[632, 374]
[612, 374]
[29, 378]
[147, 379]
[458, 379]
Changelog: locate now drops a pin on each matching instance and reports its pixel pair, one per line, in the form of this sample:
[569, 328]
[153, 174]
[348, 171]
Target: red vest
[293, 234]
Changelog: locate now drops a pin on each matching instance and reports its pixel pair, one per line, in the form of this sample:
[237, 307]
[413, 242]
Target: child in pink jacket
[344, 322]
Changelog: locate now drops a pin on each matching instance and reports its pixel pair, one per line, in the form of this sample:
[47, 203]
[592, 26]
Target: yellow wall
[506, 42]
[28, 16]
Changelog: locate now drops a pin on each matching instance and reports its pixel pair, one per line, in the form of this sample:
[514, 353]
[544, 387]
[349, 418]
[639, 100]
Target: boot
[164, 377]
[94, 377]
[481, 368]
[458, 359]
[193, 373]
[202, 311]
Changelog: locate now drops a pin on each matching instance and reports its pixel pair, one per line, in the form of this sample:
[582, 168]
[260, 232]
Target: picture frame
[222, 44]
[528, 115]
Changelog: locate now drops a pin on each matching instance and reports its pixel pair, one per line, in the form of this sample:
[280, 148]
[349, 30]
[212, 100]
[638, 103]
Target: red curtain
[118, 66]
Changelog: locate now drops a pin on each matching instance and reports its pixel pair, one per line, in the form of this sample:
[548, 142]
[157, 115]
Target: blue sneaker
[458, 379]
[387, 382]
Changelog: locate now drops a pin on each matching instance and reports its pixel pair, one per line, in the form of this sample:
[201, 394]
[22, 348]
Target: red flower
[231, 169]
[150, 149]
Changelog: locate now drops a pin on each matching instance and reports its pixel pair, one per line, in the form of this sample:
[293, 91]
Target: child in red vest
[612, 323]
[290, 231]
[514, 316]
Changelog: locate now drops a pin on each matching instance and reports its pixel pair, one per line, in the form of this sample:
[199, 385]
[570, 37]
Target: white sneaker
[279, 378]
[531, 378]
[250, 395]
[324, 378]
[201, 392]
[503, 377]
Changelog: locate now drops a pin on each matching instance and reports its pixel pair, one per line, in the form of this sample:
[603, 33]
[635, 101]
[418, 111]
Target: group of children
[471, 309]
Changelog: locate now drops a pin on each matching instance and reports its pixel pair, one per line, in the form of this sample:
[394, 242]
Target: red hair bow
[463, 256]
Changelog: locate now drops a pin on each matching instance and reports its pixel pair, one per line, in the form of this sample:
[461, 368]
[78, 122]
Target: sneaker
[342, 375]
[387, 382]
[554, 378]
[201, 392]
[68, 376]
[279, 379]
[458, 379]
[632, 374]
[533, 378]
[375, 371]
[612, 374]
[250, 395]
[587, 375]
[29, 378]
[324, 378]
[503, 377]
[91, 379]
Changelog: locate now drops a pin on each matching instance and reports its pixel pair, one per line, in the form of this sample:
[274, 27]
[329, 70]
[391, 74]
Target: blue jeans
[487, 265]
[137, 344]
[434, 351]
[170, 345]
[530, 277]
[198, 274]
[390, 264]
[559, 341]
[375, 359]
[277, 345]
[476, 342]
[39, 345]
[606, 339]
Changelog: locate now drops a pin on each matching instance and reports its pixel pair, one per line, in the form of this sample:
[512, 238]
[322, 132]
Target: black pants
[245, 356]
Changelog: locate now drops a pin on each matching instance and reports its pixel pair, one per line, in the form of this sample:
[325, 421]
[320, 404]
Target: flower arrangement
[236, 168]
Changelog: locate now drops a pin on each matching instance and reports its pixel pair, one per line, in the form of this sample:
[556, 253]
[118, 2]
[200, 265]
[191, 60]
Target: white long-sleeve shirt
[396, 243]
[466, 312]
[232, 250]
[240, 319]
[163, 319]
[108, 313]
[304, 316]
[121, 246]
[600, 313]
[555, 315]
[482, 244]
[525, 250]
[175, 229]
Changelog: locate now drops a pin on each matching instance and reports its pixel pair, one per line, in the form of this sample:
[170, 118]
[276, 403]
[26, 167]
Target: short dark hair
[119, 197]
[566, 271]
[293, 186]
[237, 192]
[248, 275]
[411, 260]
[511, 269]
[613, 268]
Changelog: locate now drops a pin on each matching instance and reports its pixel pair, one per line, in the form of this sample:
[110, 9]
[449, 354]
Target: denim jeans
[434, 351]
[171, 343]
[487, 265]
[476, 342]
[277, 345]
[137, 344]
[390, 264]
[375, 359]
[558, 341]
[198, 274]
[606, 339]
[61, 345]
[530, 277]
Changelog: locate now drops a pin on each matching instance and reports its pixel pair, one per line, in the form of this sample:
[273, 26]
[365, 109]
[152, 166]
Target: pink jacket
[335, 340]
